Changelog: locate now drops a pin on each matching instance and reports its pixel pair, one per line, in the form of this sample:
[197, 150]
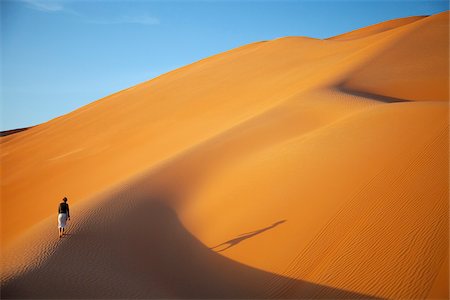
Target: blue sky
[58, 55]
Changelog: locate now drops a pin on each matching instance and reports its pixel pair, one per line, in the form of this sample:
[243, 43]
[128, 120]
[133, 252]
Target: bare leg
[60, 232]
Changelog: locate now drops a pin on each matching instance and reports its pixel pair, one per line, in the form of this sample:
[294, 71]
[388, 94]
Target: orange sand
[344, 139]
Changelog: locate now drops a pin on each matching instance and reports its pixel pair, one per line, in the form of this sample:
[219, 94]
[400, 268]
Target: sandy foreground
[290, 168]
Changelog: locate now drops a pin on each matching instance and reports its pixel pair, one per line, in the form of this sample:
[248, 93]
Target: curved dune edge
[150, 255]
[322, 187]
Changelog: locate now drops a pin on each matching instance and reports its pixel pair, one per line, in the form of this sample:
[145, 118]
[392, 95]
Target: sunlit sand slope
[292, 168]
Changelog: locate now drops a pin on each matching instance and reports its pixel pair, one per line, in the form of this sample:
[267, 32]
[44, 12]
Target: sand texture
[290, 168]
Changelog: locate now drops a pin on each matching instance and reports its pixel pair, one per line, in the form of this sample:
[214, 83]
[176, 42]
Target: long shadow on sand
[380, 98]
[244, 236]
[138, 248]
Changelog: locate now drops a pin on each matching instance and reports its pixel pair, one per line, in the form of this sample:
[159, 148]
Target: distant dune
[291, 168]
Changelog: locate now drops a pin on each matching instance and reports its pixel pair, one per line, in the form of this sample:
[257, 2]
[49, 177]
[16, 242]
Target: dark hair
[65, 199]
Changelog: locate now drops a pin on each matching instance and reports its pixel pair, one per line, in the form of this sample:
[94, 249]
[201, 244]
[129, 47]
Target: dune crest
[176, 184]
[375, 29]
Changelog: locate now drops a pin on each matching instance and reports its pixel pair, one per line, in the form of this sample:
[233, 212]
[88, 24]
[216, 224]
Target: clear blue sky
[60, 55]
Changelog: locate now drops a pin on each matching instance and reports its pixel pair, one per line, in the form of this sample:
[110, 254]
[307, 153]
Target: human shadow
[244, 236]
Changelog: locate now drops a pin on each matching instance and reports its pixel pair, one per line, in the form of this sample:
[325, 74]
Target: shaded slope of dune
[151, 255]
[346, 139]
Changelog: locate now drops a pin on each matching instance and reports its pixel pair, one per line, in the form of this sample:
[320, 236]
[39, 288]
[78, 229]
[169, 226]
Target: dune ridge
[346, 139]
[375, 29]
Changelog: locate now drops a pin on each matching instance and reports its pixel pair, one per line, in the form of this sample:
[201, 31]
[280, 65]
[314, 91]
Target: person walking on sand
[63, 216]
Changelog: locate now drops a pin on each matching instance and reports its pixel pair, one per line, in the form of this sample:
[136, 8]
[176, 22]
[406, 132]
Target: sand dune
[320, 167]
[374, 29]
